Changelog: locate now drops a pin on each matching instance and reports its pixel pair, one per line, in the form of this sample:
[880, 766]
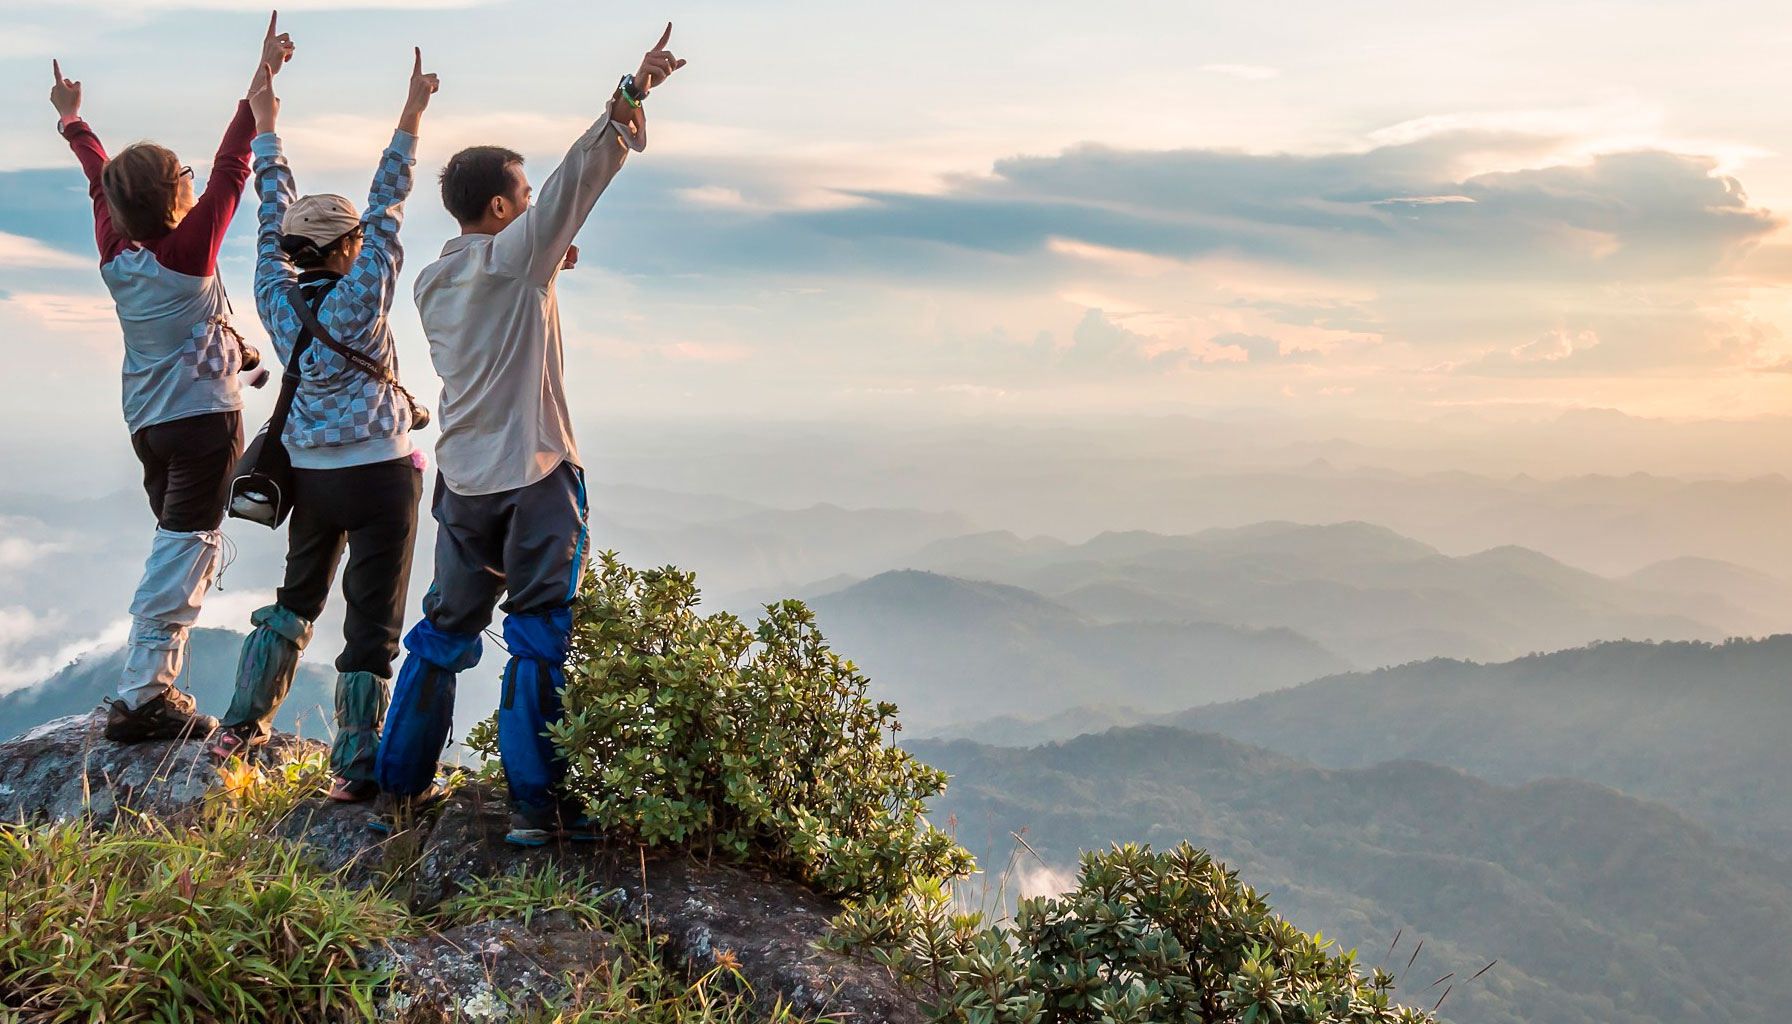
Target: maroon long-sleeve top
[181, 356]
[192, 247]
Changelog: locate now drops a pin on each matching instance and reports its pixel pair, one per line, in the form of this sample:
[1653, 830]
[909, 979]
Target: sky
[1033, 209]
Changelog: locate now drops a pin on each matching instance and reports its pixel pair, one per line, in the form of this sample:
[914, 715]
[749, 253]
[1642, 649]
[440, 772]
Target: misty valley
[1481, 717]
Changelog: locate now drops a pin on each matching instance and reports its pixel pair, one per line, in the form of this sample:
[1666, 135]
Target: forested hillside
[1598, 907]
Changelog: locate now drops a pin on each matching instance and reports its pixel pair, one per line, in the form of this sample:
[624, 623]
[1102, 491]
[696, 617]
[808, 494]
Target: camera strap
[356, 358]
[289, 378]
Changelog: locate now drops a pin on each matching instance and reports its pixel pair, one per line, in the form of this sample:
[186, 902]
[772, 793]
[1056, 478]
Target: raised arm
[534, 245]
[276, 190]
[65, 96]
[192, 247]
[366, 291]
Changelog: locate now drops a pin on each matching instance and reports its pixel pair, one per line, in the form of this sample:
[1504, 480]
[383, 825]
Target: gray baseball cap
[320, 218]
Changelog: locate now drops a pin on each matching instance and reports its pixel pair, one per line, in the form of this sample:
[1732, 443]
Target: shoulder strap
[360, 360]
[289, 383]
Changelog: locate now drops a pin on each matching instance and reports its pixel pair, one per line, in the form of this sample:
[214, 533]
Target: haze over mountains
[951, 650]
[1329, 596]
[1699, 727]
[1363, 591]
[1600, 908]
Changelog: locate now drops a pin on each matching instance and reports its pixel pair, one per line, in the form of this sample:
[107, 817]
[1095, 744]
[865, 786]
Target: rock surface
[66, 767]
[706, 913]
[490, 971]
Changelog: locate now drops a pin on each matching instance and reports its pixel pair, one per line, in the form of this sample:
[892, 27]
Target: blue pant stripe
[578, 548]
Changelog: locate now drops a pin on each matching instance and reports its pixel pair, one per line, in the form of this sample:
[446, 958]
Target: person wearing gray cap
[325, 276]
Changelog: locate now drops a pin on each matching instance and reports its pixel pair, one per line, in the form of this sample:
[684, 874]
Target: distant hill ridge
[1371, 595]
[1599, 907]
[949, 649]
[1698, 726]
[210, 675]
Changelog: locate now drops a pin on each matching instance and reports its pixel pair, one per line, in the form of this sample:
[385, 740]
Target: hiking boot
[237, 741]
[171, 715]
[539, 826]
[393, 813]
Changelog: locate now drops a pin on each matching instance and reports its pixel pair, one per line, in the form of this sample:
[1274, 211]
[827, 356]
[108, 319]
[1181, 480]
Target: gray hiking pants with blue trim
[528, 544]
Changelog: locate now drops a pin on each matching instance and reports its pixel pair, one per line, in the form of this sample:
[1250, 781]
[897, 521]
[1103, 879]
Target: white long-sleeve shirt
[493, 324]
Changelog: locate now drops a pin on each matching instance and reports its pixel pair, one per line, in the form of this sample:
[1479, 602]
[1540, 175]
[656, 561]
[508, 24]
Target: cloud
[1392, 214]
[19, 251]
[1032, 880]
[1258, 349]
[17, 552]
[1102, 347]
[65, 312]
[21, 629]
[1249, 72]
[1555, 345]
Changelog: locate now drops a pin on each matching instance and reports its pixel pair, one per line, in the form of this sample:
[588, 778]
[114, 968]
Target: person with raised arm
[158, 247]
[325, 277]
[509, 493]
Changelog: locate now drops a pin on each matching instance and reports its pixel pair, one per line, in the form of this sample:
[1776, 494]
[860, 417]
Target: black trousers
[529, 544]
[186, 468]
[371, 510]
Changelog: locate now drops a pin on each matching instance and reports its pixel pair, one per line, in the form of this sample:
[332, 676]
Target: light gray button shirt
[493, 325]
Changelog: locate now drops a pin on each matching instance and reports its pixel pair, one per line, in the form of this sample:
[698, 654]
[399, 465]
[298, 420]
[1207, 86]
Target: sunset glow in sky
[947, 208]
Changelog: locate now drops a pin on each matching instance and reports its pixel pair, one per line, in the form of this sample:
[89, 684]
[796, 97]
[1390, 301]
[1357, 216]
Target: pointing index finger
[417, 68]
[56, 69]
[273, 22]
[665, 37]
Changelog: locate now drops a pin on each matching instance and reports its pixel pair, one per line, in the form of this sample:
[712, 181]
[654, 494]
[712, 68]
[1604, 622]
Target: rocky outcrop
[491, 971]
[706, 913]
[66, 768]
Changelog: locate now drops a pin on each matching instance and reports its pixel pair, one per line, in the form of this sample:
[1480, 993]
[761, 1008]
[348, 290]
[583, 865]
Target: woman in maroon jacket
[158, 247]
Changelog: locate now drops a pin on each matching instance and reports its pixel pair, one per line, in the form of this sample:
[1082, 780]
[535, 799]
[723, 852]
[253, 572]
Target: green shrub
[1144, 937]
[689, 729]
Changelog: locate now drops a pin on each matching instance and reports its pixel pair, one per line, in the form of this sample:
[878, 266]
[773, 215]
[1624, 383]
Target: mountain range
[1365, 592]
[1597, 907]
[950, 650]
[1700, 727]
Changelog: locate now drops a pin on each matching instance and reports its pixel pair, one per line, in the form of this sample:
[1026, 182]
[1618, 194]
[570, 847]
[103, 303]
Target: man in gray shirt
[509, 494]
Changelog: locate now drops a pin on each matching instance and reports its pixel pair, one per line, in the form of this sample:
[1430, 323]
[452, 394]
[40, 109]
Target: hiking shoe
[539, 826]
[237, 741]
[353, 791]
[171, 715]
[394, 813]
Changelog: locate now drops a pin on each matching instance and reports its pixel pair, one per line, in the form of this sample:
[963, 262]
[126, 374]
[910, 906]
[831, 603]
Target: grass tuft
[152, 921]
[213, 917]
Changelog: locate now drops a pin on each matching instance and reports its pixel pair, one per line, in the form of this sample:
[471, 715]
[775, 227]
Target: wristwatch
[629, 92]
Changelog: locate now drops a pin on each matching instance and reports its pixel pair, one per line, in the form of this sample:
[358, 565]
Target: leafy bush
[1144, 937]
[689, 729]
[207, 920]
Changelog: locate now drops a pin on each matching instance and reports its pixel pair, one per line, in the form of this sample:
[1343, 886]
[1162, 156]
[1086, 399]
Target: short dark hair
[308, 255]
[473, 177]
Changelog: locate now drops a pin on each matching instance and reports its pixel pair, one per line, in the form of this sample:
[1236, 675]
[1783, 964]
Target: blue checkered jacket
[340, 416]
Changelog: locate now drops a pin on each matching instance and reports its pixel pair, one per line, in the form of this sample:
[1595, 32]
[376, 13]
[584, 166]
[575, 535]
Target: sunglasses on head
[185, 172]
